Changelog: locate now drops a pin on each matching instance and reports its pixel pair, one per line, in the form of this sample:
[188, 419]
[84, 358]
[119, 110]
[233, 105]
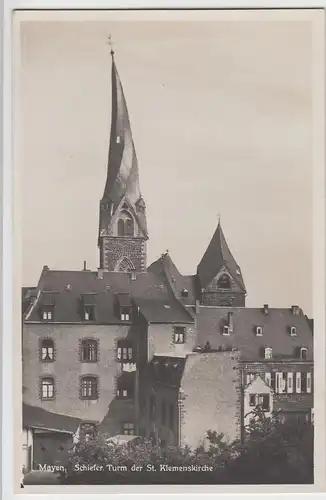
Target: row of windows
[88, 388]
[259, 330]
[89, 351]
[300, 352]
[167, 412]
[286, 382]
[125, 313]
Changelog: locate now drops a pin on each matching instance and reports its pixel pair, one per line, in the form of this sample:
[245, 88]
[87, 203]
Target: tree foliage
[270, 453]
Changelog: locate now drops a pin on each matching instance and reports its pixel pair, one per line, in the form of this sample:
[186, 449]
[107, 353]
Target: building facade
[145, 350]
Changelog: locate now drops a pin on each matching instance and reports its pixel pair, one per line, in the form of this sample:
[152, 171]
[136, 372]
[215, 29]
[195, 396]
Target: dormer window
[226, 330]
[259, 331]
[47, 306]
[125, 313]
[89, 303]
[124, 306]
[184, 293]
[268, 353]
[293, 331]
[303, 353]
[47, 314]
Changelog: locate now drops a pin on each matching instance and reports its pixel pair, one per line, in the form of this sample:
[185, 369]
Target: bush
[271, 453]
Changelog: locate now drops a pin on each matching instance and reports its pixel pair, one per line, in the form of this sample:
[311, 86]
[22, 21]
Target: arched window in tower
[121, 227]
[224, 282]
[129, 227]
[124, 265]
[125, 224]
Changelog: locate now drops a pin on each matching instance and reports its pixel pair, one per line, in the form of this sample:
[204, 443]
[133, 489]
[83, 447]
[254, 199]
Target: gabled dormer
[219, 278]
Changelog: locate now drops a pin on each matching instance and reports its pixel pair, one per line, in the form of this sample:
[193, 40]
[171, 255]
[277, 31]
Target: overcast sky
[221, 114]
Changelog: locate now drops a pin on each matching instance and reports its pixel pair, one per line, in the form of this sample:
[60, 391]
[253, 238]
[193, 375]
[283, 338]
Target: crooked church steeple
[218, 275]
[122, 226]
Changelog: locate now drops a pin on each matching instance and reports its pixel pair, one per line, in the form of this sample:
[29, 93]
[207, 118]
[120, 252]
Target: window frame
[305, 351]
[43, 384]
[268, 353]
[89, 313]
[87, 343]
[128, 429]
[293, 331]
[179, 337]
[125, 352]
[42, 346]
[93, 380]
[259, 331]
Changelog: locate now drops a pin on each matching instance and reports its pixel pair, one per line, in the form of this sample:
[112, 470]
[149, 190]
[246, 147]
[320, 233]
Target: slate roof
[147, 292]
[217, 255]
[210, 322]
[36, 417]
[167, 271]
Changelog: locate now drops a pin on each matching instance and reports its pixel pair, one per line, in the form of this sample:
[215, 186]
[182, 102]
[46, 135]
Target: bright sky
[221, 114]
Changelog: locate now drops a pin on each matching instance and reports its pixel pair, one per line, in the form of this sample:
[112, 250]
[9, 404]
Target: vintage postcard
[169, 229]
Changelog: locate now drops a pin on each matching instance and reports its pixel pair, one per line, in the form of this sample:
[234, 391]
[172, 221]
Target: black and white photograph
[164, 199]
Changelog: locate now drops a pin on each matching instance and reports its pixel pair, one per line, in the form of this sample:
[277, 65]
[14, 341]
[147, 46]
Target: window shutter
[290, 382]
[309, 382]
[279, 382]
[268, 378]
[298, 383]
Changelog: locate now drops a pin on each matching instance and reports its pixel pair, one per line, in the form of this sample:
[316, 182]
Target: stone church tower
[219, 277]
[122, 226]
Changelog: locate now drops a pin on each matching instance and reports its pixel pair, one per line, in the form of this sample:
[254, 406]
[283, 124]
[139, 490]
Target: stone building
[145, 350]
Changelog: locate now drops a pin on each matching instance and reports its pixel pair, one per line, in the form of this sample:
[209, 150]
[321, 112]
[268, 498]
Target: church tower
[219, 277]
[122, 226]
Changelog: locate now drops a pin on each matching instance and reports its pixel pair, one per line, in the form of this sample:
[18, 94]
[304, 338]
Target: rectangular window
[273, 381]
[284, 379]
[89, 313]
[252, 399]
[308, 382]
[47, 315]
[268, 379]
[152, 409]
[124, 351]
[163, 414]
[298, 383]
[179, 335]
[290, 383]
[128, 429]
[304, 382]
[89, 350]
[89, 388]
[47, 388]
[125, 313]
[226, 330]
[250, 377]
[263, 401]
[47, 350]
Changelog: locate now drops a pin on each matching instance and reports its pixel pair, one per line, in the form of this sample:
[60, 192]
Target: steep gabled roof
[167, 271]
[216, 256]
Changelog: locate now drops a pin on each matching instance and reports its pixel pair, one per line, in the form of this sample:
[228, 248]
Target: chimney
[230, 321]
[85, 265]
[295, 310]
[100, 273]
[265, 309]
[197, 307]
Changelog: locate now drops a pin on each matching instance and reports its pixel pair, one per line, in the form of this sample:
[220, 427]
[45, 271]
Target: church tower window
[224, 282]
[125, 225]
